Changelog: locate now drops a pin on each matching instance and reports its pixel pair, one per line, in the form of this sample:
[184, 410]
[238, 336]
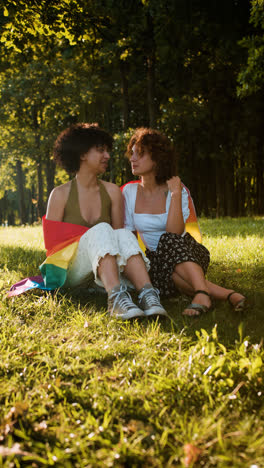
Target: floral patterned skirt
[174, 249]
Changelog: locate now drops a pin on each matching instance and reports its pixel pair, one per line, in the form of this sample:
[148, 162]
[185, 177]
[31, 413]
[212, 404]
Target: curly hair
[160, 148]
[75, 141]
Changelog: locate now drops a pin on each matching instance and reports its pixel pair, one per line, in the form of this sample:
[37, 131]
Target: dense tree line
[192, 68]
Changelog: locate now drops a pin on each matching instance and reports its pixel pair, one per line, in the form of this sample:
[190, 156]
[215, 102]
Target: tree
[170, 64]
[251, 77]
[251, 90]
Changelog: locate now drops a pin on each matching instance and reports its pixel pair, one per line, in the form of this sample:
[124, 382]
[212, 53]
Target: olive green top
[72, 213]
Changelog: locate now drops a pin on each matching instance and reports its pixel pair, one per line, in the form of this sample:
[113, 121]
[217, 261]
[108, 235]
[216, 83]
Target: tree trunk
[229, 188]
[151, 89]
[50, 174]
[33, 215]
[241, 188]
[21, 194]
[151, 64]
[125, 95]
[36, 126]
[260, 182]
[40, 206]
[211, 173]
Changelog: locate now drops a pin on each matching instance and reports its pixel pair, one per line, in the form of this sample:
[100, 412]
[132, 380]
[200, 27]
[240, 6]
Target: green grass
[78, 389]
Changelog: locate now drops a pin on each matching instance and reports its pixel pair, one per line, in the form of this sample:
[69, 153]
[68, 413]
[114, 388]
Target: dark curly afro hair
[75, 141]
[160, 148]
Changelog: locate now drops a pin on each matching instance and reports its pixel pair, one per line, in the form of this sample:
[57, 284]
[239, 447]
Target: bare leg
[148, 298]
[120, 303]
[193, 274]
[185, 284]
[216, 292]
[135, 271]
[182, 285]
[220, 293]
[108, 272]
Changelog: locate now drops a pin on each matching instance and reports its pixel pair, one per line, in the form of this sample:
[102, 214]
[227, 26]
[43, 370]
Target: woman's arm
[56, 203]
[117, 210]
[128, 194]
[175, 221]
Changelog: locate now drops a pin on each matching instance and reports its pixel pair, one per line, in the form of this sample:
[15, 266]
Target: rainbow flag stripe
[61, 242]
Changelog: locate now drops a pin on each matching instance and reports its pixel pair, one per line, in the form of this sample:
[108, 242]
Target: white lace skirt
[97, 242]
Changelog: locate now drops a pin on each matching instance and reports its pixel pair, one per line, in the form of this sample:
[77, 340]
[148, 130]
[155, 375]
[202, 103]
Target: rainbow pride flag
[191, 225]
[61, 241]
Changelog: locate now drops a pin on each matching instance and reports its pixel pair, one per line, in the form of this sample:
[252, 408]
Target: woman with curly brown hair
[106, 253]
[157, 208]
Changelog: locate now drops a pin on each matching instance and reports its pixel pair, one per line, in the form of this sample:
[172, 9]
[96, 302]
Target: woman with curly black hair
[157, 208]
[106, 252]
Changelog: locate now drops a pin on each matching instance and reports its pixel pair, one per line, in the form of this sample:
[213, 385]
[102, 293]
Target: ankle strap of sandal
[200, 291]
[229, 295]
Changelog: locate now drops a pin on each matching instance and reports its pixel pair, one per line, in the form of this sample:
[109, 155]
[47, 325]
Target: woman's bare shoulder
[61, 191]
[112, 189]
[57, 201]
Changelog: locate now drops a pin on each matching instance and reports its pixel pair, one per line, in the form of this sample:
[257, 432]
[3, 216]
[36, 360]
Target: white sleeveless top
[149, 226]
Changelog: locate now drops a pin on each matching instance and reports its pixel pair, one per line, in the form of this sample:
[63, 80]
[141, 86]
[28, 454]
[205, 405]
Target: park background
[192, 68]
[77, 388]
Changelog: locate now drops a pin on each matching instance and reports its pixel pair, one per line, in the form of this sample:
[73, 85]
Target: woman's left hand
[174, 185]
[175, 222]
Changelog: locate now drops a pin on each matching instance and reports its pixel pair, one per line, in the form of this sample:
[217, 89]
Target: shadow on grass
[231, 326]
[87, 298]
[231, 227]
[25, 262]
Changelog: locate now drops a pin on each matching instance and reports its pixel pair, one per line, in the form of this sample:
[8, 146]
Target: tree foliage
[180, 66]
[251, 77]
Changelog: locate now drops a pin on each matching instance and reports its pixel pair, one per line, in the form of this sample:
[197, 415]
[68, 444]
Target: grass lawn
[78, 389]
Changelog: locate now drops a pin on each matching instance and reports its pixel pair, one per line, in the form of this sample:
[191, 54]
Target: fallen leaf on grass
[10, 418]
[5, 429]
[18, 410]
[135, 425]
[15, 450]
[32, 353]
[192, 454]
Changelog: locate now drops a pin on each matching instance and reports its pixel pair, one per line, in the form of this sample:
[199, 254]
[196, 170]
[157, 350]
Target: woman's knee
[99, 240]
[125, 236]
[102, 227]
[101, 233]
[129, 246]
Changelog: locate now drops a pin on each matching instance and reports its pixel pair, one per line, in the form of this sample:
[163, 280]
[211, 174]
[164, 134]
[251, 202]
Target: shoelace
[150, 298]
[125, 302]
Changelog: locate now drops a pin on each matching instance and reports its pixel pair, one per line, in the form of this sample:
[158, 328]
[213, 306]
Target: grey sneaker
[149, 301]
[121, 306]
